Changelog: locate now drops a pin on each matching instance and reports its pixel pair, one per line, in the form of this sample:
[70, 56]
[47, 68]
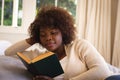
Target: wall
[13, 37]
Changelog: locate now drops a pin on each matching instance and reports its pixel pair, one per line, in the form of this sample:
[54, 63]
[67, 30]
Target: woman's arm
[19, 47]
[97, 67]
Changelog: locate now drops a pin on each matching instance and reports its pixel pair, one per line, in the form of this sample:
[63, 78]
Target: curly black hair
[53, 17]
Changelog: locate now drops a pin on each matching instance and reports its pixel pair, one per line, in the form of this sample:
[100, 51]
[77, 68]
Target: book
[43, 64]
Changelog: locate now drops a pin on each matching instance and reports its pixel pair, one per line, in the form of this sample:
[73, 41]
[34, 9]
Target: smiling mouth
[50, 44]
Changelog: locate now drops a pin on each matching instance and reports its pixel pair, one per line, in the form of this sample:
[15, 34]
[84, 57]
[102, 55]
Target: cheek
[41, 41]
[59, 39]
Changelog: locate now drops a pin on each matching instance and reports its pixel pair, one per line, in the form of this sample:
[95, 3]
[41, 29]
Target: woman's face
[51, 38]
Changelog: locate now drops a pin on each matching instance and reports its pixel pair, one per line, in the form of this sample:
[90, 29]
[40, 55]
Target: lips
[50, 44]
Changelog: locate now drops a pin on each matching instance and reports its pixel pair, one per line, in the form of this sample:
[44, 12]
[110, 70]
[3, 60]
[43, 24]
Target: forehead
[48, 29]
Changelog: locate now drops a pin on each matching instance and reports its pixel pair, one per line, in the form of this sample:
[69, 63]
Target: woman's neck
[60, 52]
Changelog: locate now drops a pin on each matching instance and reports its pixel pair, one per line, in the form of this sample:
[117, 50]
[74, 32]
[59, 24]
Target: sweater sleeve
[97, 67]
[17, 47]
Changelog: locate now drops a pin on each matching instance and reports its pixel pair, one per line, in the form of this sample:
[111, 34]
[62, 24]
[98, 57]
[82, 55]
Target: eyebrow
[50, 29]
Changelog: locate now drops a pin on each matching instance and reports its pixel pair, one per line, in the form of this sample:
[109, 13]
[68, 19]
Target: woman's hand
[41, 77]
[30, 41]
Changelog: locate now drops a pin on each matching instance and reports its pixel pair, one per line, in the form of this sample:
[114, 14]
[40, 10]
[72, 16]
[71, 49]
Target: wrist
[30, 41]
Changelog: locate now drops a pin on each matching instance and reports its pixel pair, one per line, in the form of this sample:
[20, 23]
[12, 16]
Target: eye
[54, 32]
[42, 34]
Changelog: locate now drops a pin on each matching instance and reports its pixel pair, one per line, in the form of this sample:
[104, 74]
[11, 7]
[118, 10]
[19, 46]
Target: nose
[48, 37]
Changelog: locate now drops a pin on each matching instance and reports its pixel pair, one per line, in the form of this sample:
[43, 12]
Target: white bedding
[3, 45]
[13, 69]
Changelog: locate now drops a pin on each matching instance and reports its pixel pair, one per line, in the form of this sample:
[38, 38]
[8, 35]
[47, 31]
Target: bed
[13, 69]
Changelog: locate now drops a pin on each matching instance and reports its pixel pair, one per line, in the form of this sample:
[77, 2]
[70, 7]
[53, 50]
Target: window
[16, 15]
[10, 13]
[70, 5]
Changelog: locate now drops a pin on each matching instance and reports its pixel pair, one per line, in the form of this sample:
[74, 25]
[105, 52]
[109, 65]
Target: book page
[34, 56]
[42, 56]
[31, 54]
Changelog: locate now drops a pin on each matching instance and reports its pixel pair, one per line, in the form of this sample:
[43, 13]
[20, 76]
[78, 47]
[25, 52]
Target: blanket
[13, 69]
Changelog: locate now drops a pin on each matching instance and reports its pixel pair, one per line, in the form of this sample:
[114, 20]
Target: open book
[42, 64]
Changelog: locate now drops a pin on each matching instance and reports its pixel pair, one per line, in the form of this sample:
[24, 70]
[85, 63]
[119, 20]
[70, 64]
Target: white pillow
[4, 45]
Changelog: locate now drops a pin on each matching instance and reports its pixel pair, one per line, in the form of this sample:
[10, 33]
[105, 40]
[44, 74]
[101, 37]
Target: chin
[52, 50]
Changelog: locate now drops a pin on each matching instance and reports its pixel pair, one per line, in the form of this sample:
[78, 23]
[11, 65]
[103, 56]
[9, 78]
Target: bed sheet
[13, 69]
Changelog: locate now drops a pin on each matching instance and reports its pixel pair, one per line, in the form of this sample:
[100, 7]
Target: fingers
[41, 77]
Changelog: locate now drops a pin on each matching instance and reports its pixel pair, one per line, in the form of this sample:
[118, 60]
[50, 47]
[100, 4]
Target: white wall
[13, 37]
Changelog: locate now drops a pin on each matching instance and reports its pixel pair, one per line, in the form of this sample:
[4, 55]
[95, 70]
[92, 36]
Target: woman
[54, 29]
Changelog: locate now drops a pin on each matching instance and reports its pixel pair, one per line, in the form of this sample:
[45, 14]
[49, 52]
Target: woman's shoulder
[79, 42]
